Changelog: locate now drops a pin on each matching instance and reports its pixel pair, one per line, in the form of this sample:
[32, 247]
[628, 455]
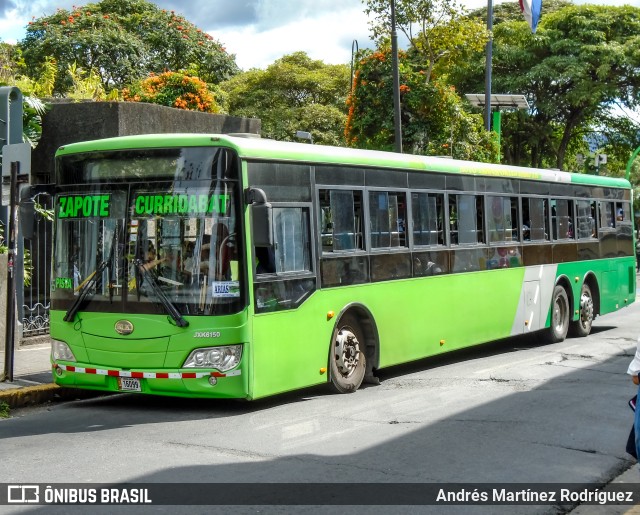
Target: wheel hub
[347, 352]
[586, 308]
[559, 311]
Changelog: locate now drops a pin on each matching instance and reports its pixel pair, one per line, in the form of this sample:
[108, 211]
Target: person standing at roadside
[633, 371]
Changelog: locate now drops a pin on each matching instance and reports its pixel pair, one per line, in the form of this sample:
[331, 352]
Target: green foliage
[433, 119]
[11, 63]
[122, 41]
[294, 93]
[32, 111]
[5, 410]
[173, 89]
[582, 60]
[438, 30]
[86, 85]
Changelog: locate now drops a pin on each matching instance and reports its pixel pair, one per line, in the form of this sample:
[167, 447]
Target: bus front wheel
[582, 326]
[560, 311]
[346, 357]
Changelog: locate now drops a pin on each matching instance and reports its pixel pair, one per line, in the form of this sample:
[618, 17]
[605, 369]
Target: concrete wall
[68, 123]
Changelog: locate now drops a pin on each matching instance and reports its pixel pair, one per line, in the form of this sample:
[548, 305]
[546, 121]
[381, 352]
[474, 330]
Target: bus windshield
[166, 247]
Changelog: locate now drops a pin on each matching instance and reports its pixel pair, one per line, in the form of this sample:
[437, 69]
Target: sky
[257, 31]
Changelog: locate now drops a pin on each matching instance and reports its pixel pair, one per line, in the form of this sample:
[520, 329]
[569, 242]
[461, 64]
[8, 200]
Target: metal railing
[36, 299]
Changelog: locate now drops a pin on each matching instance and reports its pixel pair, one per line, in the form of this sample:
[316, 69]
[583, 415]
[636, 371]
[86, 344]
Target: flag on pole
[531, 10]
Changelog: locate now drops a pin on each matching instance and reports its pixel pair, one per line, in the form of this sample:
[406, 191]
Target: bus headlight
[60, 351]
[223, 358]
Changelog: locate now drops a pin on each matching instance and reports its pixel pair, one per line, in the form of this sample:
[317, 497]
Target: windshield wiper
[84, 291]
[91, 281]
[168, 305]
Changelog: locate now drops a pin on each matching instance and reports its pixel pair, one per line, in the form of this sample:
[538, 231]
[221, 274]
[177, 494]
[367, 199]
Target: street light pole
[396, 80]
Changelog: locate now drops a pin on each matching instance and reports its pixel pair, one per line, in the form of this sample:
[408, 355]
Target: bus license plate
[130, 384]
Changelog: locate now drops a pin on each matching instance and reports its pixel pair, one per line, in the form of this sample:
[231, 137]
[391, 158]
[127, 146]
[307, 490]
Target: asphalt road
[515, 411]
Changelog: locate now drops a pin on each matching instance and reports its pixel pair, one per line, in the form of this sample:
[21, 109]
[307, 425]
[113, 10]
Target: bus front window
[86, 264]
[187, 242]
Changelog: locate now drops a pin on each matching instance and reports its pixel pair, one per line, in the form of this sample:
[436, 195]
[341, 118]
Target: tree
[173, 89]
[433, 118]
[438, 30]
[11, 62]
[294, 93]
[582, 60]
[122, 41]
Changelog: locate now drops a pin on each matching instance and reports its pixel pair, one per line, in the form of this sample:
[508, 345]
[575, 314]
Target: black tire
[347, 363]
[560, 315]
[582, 326]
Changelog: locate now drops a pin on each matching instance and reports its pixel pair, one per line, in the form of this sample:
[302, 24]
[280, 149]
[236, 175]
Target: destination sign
[180, 204]
[84, 206]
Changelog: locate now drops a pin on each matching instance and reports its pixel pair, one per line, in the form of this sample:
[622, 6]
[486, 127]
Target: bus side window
[607, 219]
[586, 220]
[535, 219]
[502, 215]
[427, 215]
[387, 216]
[341, 220]
[466, 219]
[561, 218]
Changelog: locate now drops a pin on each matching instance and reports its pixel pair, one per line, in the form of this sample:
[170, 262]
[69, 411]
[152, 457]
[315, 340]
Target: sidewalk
[32, 377]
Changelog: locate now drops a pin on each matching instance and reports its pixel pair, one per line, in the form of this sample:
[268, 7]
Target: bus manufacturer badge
[124, 327]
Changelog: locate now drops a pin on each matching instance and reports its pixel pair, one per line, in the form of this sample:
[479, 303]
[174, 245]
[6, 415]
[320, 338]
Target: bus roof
[258, 148]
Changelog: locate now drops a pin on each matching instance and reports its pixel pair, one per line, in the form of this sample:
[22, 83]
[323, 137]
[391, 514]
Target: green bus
[234, 267]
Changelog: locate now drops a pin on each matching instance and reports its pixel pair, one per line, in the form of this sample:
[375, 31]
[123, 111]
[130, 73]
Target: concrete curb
[43, 393]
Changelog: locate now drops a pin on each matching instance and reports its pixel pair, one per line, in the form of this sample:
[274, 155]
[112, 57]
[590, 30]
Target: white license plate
[130, 384]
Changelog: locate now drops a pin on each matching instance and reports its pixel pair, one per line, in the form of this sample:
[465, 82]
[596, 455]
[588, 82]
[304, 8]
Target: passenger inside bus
[265, 259]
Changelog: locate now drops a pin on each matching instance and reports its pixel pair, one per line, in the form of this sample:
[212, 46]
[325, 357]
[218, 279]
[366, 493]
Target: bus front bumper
[201, 383]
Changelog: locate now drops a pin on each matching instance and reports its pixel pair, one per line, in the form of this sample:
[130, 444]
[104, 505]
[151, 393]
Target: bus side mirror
[261, 217]
[27, 207]
[27, 212]
[27, 218]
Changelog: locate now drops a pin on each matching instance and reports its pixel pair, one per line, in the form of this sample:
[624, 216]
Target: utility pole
[16, 165]
[488, 65]
[397, 122]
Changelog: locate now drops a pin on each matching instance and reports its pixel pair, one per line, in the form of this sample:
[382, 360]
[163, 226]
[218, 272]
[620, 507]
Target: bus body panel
[415, 317]
[102, 359]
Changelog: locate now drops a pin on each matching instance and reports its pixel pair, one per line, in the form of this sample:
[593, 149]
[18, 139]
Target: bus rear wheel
[560, 310]
[582, 326]
[346, 356]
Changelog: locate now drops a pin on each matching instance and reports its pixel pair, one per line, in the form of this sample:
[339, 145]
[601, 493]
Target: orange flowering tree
[173, 89]
[122, 41]
[434, 120]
